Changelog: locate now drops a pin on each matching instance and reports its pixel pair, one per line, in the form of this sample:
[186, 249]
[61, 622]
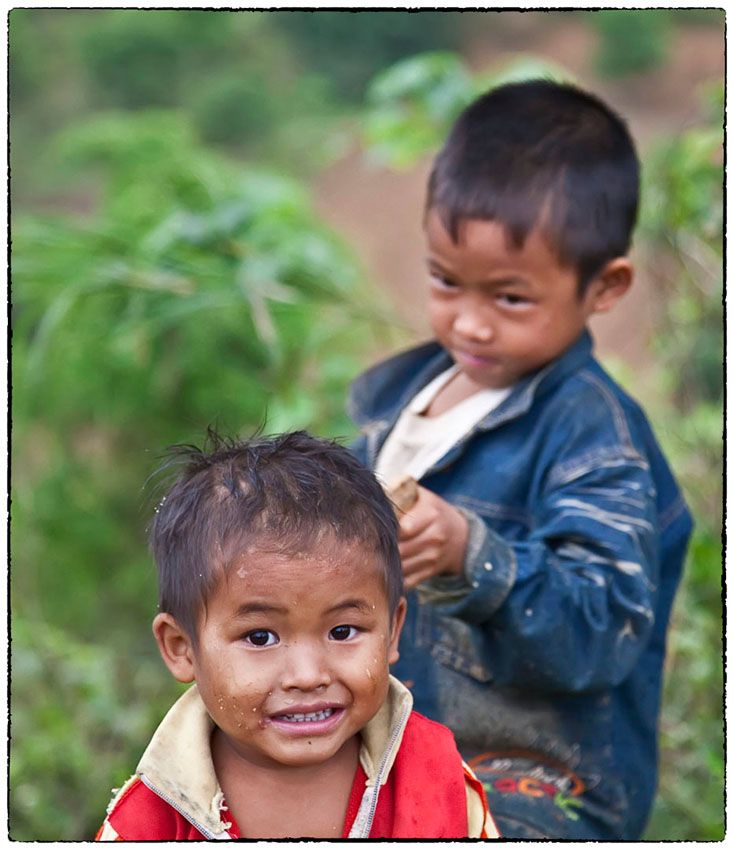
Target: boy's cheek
[374, 676]
[238, 706]
[244, 714]
[234, 682]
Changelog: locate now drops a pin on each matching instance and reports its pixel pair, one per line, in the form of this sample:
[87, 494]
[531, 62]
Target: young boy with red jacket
[281, 598]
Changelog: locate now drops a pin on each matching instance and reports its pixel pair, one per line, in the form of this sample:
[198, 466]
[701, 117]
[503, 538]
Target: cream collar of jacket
[184, 775]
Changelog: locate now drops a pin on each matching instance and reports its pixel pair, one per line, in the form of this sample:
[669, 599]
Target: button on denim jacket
[551, 643]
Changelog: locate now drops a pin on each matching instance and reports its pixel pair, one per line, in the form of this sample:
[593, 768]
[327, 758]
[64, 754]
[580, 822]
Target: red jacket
[410, 783]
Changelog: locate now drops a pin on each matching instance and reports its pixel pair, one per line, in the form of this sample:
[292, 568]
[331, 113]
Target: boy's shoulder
[138, 814]
[175, 775]
[422, 730]
[590, 395]
[378, 389]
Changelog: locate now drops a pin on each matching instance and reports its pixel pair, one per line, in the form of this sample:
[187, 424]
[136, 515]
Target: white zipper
[224, 836]
[378, 779]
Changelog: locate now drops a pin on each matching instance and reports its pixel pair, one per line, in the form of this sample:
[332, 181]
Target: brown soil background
[378, 211]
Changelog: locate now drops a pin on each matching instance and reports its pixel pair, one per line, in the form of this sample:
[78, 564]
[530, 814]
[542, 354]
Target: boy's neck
[458, 389]
[284, 801]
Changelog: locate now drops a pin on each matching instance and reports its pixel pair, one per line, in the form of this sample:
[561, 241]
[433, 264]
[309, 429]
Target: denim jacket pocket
[452, 642]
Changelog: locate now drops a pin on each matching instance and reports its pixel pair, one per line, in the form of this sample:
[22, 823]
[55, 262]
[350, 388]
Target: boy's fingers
[419, 547]
[415, 578]
[411, 525]
[415, 564]
[419, 558]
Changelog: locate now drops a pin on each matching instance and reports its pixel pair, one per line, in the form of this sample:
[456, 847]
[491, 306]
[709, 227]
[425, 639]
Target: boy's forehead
[318, 557]
[301, 583]
[472, 232]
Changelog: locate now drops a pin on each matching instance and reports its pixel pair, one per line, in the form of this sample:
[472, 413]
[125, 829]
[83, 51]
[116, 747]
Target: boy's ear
[610, 284]
[397, 626]
[175, 647]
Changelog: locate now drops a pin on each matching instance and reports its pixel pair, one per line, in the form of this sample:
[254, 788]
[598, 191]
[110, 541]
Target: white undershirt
[416, 442]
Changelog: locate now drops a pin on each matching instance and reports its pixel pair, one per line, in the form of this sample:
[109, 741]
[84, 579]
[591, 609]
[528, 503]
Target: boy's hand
[433, 536]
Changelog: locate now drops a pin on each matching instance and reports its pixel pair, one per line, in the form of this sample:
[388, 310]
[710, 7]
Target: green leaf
[411, 105]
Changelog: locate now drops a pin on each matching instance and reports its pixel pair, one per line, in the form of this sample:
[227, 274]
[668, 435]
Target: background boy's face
[293, 651]
[501, 312]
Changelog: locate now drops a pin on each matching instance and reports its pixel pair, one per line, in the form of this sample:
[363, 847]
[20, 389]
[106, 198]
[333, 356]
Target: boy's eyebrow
[248, 608]
[259, 608]
[357, 604]
[433, 265]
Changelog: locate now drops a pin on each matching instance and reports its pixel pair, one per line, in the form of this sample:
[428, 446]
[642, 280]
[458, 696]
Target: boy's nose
[305, 668]
[472, 325]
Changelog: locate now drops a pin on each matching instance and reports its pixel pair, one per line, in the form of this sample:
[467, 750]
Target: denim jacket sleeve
[570, 607]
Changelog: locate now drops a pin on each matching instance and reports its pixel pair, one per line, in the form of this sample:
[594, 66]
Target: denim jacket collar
[518, 402]
[538, 383]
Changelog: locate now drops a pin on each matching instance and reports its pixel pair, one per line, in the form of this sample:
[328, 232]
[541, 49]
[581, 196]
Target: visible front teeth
[302, 718]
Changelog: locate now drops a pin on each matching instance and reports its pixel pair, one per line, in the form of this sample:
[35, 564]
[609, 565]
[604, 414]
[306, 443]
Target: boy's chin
[309, 754]
[303, 752]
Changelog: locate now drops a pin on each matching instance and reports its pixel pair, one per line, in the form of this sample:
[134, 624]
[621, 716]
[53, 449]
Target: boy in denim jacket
[547, 540]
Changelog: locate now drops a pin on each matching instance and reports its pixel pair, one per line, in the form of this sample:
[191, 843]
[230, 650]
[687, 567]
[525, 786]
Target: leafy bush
[630, 40]
[233, 72]
[683, 225]
[410, 104]
[352, 46]
[83, 712]
[133, 60]
[234, 112]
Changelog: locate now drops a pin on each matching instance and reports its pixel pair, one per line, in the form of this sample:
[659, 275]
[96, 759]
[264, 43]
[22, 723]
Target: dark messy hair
[281, 492]
[546, 153]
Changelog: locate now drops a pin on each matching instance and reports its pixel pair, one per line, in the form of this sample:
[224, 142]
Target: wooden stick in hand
[403, 493]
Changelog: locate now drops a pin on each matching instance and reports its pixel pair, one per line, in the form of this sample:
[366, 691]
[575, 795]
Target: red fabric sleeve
[141, 815]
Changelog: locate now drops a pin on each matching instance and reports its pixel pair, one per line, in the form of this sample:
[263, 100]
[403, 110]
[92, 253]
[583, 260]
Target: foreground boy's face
[500, 312]
[294, 650]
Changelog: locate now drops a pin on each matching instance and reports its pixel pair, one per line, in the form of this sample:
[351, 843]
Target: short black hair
[283, 491]
[548, 153]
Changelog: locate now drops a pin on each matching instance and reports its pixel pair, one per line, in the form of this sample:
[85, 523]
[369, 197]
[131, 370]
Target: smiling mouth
[322, 720]
[306, 718]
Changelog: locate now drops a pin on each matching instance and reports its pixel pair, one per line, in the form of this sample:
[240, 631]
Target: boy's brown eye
[513, 300]
[442, 281]
[342, 632]
[261, 637]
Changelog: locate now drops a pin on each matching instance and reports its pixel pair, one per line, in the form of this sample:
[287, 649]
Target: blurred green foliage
[234, 74]
[684, 223]
[682, 227]
[259, 83]
[630, 40]
[159, 284]
[352, 46]
[91, 704]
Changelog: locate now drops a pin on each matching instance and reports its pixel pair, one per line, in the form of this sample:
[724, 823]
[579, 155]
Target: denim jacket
[545, 657]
